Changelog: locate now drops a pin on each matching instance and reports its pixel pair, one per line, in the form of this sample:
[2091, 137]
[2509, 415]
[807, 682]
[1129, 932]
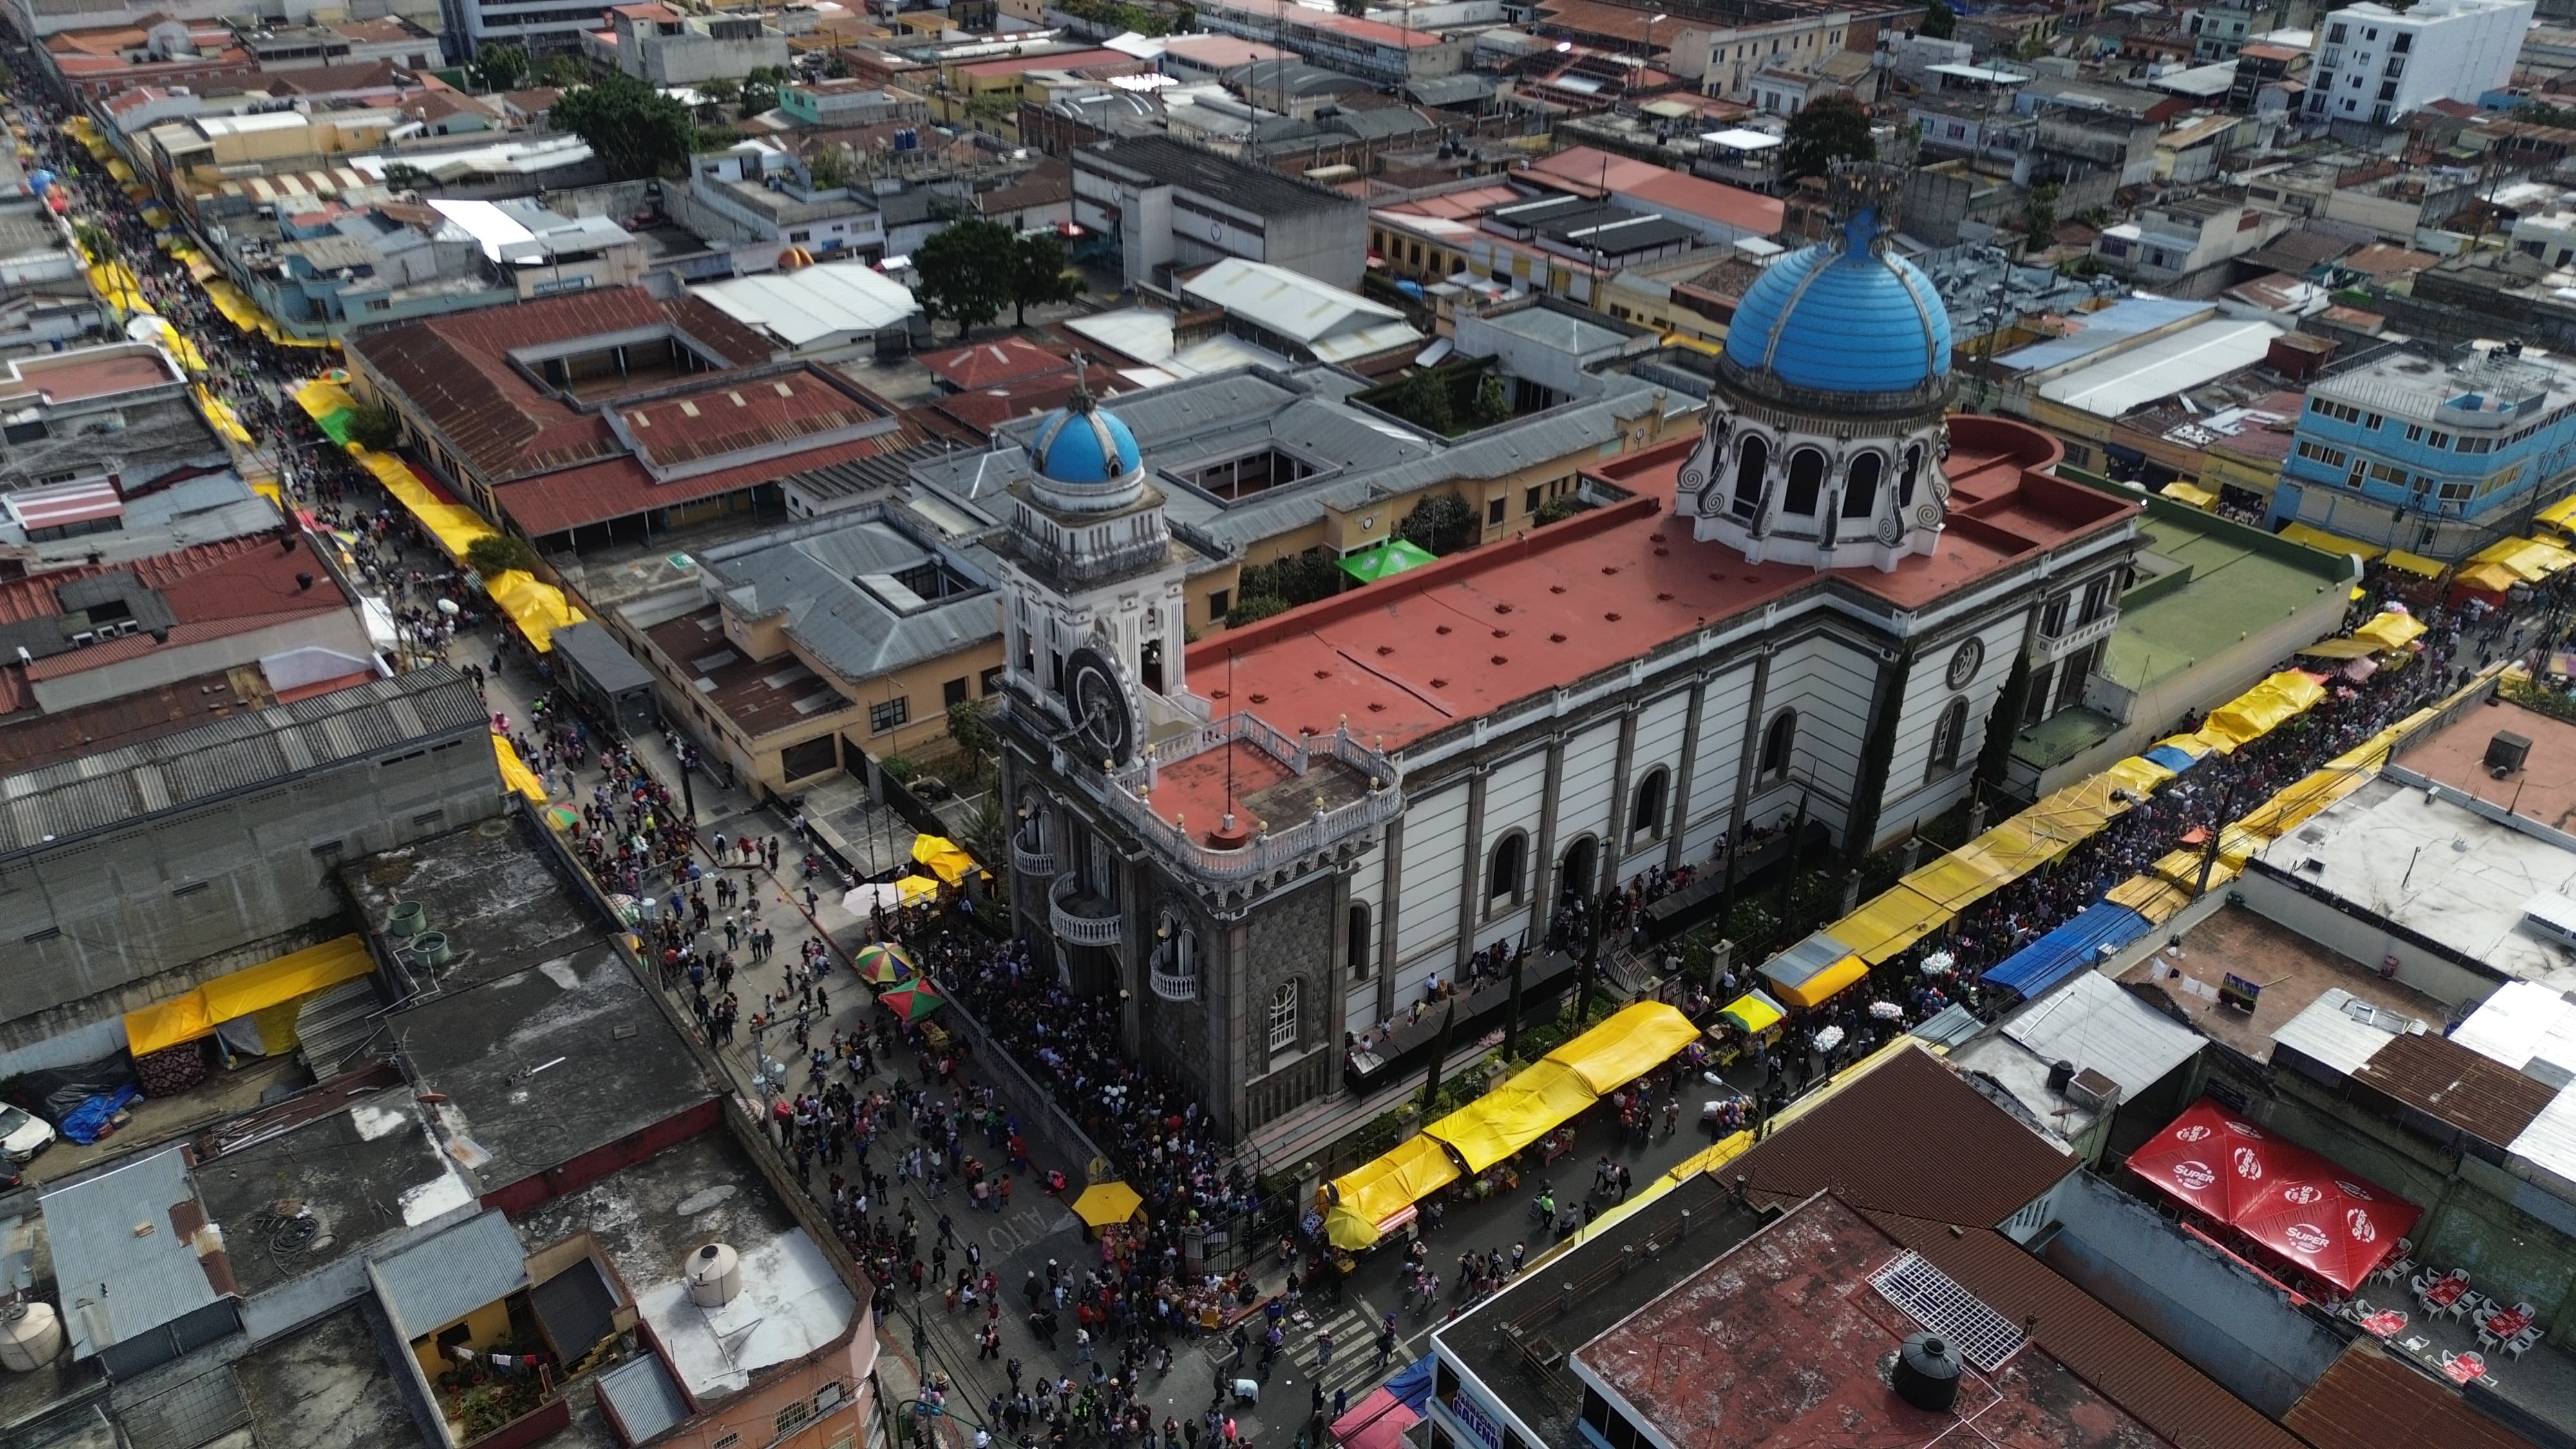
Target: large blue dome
[1081, 444]
[1842, 316]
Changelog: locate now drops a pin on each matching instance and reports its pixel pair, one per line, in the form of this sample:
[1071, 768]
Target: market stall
[2305, 1209]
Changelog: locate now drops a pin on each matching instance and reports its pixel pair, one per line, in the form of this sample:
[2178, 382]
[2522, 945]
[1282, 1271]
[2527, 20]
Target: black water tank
[2506, 752]
[1927, 1373]
[2059, 1074]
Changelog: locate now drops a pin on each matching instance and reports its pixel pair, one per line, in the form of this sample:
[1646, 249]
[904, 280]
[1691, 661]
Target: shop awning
[2354, 648]
[1812, 970]
[515, 772]
[271, 983]
[1379, 1422]
[945, 858]
[1889, 922]
[2319, 538]
[1386, 560]
[2260, 710]
[2304, 1207]
[1513, 1115]
[2140, 774]
[2190, 493]
[2488, 578]
[2414, 563]
[2072, 947]
[2560, 513]
[1634, 1041]
[1753, 1013]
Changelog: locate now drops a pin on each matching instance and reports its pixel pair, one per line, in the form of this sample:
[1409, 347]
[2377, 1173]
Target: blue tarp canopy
[2171, 758]
[2068, 949]
[1412, 1387]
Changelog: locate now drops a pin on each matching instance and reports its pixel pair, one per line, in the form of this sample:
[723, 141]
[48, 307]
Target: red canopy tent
[2319, 1216]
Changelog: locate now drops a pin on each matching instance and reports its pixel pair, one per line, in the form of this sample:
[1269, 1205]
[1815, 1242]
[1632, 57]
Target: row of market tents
[1532, 1103]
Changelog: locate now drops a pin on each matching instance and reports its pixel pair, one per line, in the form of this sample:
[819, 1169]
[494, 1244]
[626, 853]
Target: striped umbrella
[912, 1002]
[885, 965]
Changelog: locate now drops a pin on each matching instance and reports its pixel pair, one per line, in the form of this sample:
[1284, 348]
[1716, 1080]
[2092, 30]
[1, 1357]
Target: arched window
[1283, 1017]
[1806, 481]
[1913, 471]
[1356, 944]
[1752, 458]
[1503, 874]
[1647, 818]
[1947, 733]
[1577, 865]
[1860, 485]
[1778, 743]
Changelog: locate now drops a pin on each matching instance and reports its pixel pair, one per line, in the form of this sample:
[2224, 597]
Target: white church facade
[1272, 838]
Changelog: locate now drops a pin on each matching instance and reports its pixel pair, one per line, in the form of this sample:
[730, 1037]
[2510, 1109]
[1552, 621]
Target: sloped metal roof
[439, 1280]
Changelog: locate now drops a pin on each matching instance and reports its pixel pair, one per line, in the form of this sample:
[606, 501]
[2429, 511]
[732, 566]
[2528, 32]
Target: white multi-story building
[2374, 65]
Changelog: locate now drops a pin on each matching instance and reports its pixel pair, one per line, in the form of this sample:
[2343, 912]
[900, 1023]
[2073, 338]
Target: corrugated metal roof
[2093, 1023]
[2369, 1400]
[2070, 948]
[643, 1397]
[1950, 1026]
[2198, 354]
[439, 1280]
[1908, 1137]
[2431, 1074]
[2341, 1031]
[57, 802]
[2094, 331]
[122, 1257]
[2528, 1027]
[2105, 1350]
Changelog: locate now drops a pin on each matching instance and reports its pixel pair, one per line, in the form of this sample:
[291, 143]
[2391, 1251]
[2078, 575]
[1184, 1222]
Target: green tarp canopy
[1391, 557]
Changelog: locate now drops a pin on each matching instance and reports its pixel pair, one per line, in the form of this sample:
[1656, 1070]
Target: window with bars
[1283, 1017]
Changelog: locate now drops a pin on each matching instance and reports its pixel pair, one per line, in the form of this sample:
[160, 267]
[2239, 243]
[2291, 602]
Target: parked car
[22, 1134]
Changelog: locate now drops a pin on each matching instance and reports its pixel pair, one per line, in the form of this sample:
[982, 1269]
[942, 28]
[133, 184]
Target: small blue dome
[1082, 444]
[1843, 317]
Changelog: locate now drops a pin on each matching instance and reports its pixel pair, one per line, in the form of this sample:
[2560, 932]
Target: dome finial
[1082, 401]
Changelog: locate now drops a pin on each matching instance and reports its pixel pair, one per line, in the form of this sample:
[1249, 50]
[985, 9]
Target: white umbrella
[1939, 963]
[866, 898]
[1887, 1011]
[1829, 1038]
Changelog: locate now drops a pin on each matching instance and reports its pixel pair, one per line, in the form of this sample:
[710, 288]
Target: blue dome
[1082, 444]
[1843, 317]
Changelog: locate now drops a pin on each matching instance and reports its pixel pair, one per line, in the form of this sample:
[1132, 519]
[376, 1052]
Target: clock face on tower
[1098, 703]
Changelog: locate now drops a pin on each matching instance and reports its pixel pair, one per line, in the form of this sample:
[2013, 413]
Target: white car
[22, 1135]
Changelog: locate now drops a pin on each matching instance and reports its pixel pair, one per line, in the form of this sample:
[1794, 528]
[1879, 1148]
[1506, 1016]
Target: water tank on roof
[31, 1336]
[715, 1275]
[1927, 1373]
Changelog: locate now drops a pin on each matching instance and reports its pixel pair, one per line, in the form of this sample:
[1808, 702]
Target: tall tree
[635, 130]
[503, 67]
[1830, 129]
[967, 270]
[1441, 524]
[760, 89]
[1994, 759]
[1939, 22]
[1038, 276]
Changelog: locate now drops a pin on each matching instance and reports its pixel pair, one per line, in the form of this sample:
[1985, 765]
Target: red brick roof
[746, 414]
[214, 590]
[2371, 1401]
[457, 372]
[620, 488]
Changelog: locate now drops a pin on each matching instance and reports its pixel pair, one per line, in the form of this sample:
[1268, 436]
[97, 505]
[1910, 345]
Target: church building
[1277, 835]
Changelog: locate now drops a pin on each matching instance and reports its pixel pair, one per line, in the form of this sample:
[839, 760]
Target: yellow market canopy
[1514, 1115]
[2319, 538]
[2190, 493]
[1633, 1042]
[2260, 710]
[2391, 630]
[2414, 563]
[515, 772]
[1754, 1013]
[286, 979]
[1362, 1200]
[945, 858]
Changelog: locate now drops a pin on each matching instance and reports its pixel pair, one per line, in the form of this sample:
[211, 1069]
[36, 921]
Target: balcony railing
[1270, 850]
[1030, 861]
[1174, 985]
[2076, 636]
[1081, 918]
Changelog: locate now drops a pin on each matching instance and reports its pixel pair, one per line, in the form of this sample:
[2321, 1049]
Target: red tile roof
[620, 488]
[1418, 653]
[992, 364]
[456, 371]
[1584, 169]
[748, 413]
[214, 590]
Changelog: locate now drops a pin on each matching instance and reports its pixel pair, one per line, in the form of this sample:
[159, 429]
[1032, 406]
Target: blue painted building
[2431, 456]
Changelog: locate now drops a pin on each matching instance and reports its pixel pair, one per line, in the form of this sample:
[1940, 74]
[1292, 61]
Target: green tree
[568, 70]
[2041, 217]
[1555, 510]
[721, 92]
[1994, 759]
[495, 554]
[760, 89]
[829, 167]
[836, 67]
[1440, 524]
[1422, 399]
[2032, 47]
[1939, 22]
[1830, 129]
[96, 242]
[1038, 275]
[1253, 608]
[635, 130]
[1493, 401]
[403, 176]
[502, 67]
[374, 427]
[971, 731]
[967, 272]
[2540, 113]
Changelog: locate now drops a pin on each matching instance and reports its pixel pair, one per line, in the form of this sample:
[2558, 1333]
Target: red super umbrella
[2208, 1158]
[2336, 1224]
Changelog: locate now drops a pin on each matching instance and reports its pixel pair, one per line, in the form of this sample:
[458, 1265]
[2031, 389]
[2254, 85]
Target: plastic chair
[2423, 1283]
[2487, 1338]
[2520, 1343]
[2526, 1310]
[2358, 1309]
